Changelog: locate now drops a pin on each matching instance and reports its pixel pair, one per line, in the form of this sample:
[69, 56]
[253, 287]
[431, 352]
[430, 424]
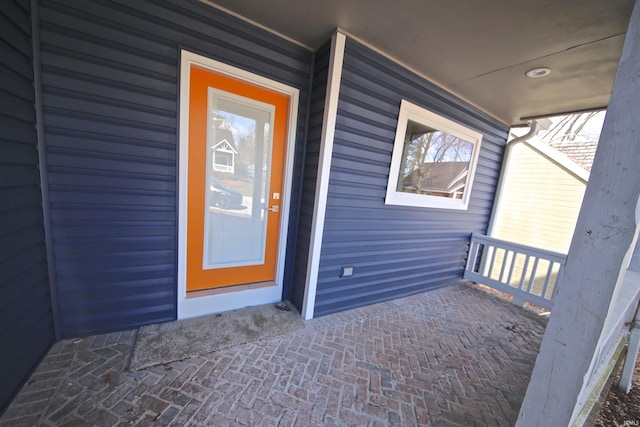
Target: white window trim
[415, 113]
[209, 304]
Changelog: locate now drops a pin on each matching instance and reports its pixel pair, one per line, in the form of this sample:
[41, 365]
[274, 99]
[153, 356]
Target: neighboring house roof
[563, 159]
[225, 141]
[581, 152]
[443, 177]
[225, 146]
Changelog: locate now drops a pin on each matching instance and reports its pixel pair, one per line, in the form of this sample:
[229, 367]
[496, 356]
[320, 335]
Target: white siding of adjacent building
[540, 199]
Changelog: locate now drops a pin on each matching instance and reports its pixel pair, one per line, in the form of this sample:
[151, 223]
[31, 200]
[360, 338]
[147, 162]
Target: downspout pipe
[497, 199]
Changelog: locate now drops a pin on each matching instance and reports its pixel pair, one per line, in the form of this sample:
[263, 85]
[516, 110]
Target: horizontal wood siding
[540, 201]
[395, 251]
[111, 78]
[26, 320]
[309, 179]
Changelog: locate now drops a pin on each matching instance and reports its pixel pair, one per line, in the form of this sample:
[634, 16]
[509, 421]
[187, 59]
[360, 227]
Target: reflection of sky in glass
[241, 126]
[455, 149]
[428, 146]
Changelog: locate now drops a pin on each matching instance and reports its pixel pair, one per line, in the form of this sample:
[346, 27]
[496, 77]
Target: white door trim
[199, 306]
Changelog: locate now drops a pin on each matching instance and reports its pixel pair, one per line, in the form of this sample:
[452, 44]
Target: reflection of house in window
[224, 152]
[444, 179]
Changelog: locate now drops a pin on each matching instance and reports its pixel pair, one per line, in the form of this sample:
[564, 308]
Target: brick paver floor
[453, 356]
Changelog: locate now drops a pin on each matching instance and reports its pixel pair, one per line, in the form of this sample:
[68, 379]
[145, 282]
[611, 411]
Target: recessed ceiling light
[538, 72]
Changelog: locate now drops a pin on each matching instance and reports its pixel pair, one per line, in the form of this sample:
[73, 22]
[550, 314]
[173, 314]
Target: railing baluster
[486, 249]
[478, 257]
[513, 264]
[493, 259]
[533, 275]
[504, 264]
[547, 278]
[523, 274]
[473, 255]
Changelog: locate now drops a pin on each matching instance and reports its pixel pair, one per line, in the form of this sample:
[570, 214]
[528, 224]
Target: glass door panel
[238, 171]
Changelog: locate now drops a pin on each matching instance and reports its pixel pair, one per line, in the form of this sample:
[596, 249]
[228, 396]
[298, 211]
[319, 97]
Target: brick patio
[456, 356]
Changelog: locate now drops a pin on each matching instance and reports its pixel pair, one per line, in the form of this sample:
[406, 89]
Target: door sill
[228, 289]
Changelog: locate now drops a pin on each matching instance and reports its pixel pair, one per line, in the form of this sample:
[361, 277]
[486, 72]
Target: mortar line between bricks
[61, 380]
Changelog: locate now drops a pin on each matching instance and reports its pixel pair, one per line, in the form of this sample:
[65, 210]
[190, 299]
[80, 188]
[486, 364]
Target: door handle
[274, 208]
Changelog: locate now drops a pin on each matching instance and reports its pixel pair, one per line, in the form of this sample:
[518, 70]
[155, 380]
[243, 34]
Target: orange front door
[237, 138]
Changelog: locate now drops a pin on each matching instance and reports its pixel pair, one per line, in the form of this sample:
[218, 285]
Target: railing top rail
[517, 247]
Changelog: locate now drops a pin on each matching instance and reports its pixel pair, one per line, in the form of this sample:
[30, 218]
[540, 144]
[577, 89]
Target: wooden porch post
[604, 232]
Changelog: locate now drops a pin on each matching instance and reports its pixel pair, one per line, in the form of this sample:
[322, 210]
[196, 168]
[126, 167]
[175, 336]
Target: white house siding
[540, 201]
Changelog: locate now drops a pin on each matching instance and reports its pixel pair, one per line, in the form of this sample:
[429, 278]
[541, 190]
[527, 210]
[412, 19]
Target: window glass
[433, 160]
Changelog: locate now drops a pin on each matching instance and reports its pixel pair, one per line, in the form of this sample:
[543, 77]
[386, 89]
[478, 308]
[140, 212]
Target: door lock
[274, 208]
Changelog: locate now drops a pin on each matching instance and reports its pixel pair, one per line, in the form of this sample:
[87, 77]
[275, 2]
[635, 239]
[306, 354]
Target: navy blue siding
[110, 88]
[312, 156]
[396, 251]
[26, 320]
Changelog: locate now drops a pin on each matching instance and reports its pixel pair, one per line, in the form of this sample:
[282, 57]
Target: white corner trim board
[324, 168]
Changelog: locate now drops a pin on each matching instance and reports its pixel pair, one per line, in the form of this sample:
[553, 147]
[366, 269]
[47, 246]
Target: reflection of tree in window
[434, 162]
[252, 141]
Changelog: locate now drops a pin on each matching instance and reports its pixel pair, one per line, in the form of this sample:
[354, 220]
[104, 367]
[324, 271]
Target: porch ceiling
[478, 50]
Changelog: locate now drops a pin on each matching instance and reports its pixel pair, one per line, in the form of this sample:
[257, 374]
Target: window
[433, 160]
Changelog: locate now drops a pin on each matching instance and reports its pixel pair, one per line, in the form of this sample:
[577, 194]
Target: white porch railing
[528, 274]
